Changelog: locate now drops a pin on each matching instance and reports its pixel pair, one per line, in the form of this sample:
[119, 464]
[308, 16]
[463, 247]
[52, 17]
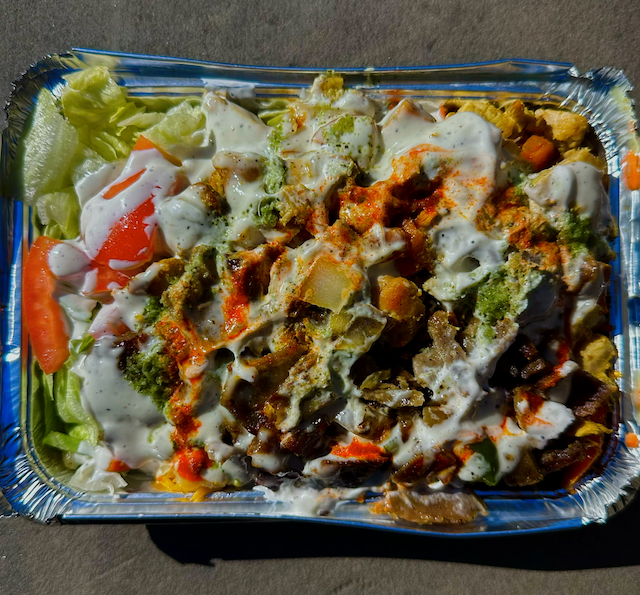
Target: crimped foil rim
[31, 492]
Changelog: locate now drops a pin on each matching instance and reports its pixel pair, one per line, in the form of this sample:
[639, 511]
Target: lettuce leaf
[87, 162]
[92, 98]
[62, 441]
[107, 145]
[107, 120]
[49, 150]
[59, 419]
[67, 396]
[59, 213]
[163, 103]
[487, 449]
[45, 421]
[183, 124]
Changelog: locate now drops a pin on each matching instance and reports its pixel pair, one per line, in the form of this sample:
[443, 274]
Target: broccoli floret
[267, 212]
[199, 274]
[276, 138]
[152, 373]
[153, 311]
[504, 294]
[274, 175]
[577, 234]
[494, 298]
[345, 125]
[331, 85]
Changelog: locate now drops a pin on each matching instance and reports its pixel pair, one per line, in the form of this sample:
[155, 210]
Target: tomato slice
[128, 240]
[191, 462]
[43, 315]
[106, 276]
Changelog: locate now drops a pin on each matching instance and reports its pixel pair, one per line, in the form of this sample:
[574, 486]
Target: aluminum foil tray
[601, 95]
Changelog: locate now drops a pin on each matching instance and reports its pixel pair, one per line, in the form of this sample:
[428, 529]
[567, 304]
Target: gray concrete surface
[296, 558]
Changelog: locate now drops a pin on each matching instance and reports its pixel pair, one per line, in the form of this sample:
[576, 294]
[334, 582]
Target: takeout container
[601, 95]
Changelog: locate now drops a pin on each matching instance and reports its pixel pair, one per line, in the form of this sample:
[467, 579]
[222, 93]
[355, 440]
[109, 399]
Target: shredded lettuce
[59, 419]
[59, 213]
[45, 421]
[50, 146]
[271, 111]
[91, 97]
[109, 121]
[163, 103]
[62, 441]
[87, 162]
[79, 424]
[183, 124]
[82, 345]
[487, 449]
[108, 146]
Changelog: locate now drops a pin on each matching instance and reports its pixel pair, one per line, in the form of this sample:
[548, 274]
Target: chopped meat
[434, 415]
[310, 440]
[444, 337]
[588, 394]
[393, 397]
[432, 508]
[556, 459]
[415, 470]
[526, 473]
[250, 270]
[521, 362]
[169, 270]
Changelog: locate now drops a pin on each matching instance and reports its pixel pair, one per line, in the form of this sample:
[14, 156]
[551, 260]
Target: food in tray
[336, 291]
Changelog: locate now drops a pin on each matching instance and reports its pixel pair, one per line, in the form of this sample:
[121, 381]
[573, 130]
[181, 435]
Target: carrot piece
[631, 440]
[128, 239]
[142, 144]
[538, 151]
[631, 170]
[118, 188]
[43, 315]
[118, 466]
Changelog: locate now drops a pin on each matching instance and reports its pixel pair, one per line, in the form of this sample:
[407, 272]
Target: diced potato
[566, 127]
[400, 300]
[295, 206]
[597, 358]
[520, 115]
[328, 285]
[583, 154]
[503, 120]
